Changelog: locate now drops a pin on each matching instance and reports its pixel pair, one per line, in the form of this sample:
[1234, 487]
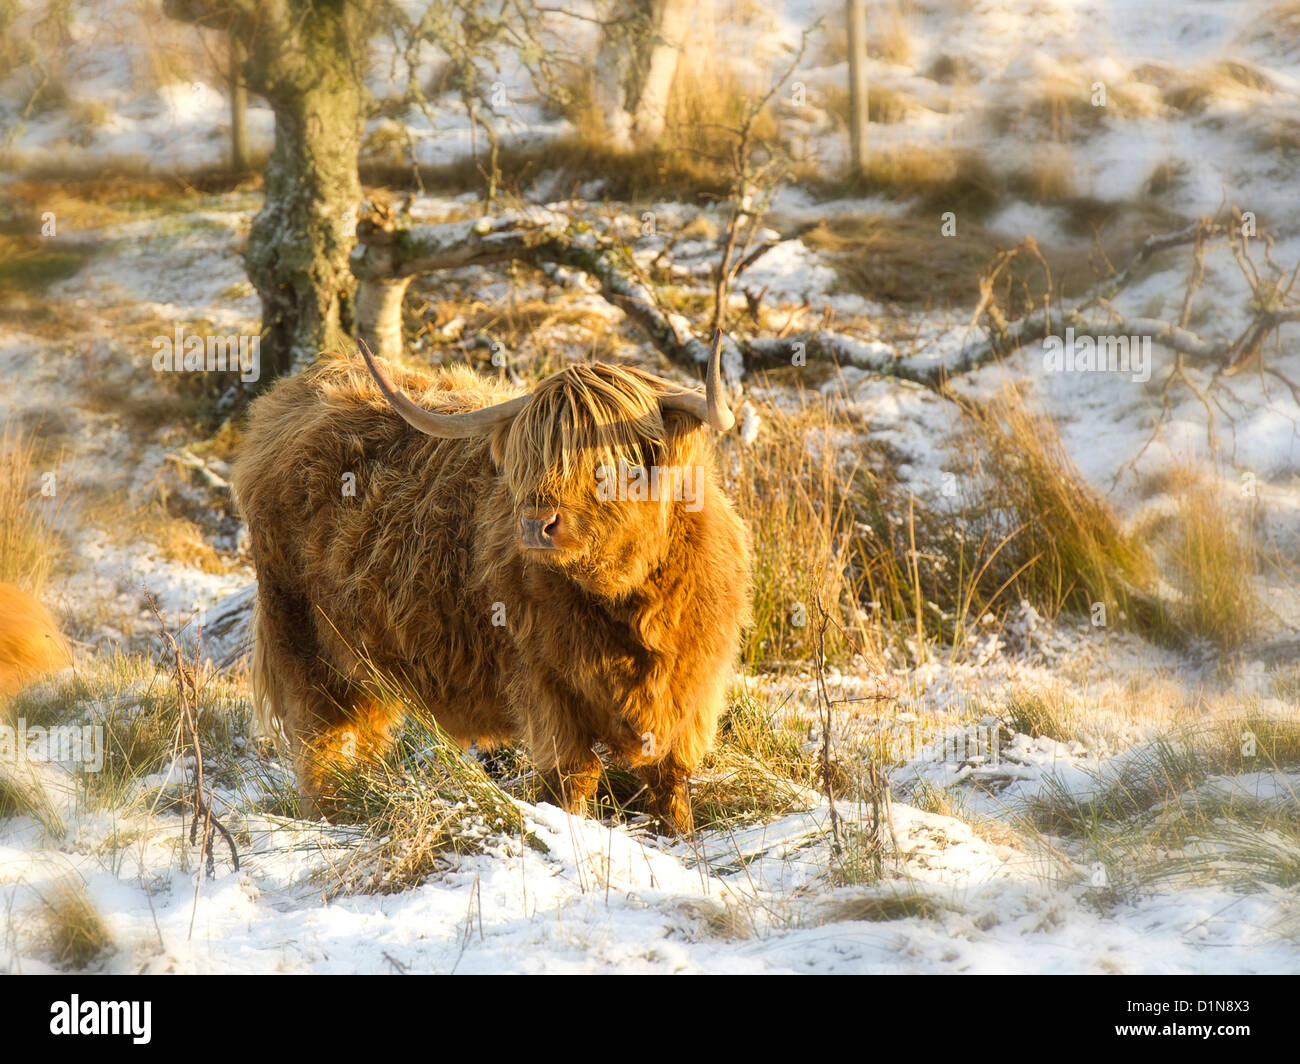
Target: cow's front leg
[571, 784]
[670, 803]
[560, 734]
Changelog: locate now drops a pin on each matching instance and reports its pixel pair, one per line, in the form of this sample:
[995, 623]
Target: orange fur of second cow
[30, 642]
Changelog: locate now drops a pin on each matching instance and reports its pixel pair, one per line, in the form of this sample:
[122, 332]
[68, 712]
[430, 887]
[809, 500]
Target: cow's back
[362, 533]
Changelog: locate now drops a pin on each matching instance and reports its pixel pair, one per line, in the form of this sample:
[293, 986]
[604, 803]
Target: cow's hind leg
[333, 736]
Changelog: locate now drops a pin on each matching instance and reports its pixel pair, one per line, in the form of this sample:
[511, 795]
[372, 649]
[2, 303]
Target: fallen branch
[391, 251]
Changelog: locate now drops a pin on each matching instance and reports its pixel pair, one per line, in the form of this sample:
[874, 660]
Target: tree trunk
[636, 62]
[307, 58]
[609, 84]
[856, 15]
[238, 108]
[669, 20]
[298, 247]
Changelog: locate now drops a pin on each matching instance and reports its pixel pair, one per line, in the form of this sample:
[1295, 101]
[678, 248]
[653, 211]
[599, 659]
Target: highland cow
[459, 544]
[30, 642]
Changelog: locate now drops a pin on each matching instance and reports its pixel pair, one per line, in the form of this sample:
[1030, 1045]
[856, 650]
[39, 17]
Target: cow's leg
[571, 783]
[560, 736]
[330, 735]
[669, 802]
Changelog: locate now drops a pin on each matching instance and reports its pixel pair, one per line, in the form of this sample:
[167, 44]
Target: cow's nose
[539, 532]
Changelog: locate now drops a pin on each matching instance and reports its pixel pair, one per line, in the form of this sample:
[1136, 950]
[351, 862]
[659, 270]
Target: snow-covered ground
[765, 897]
[605, 900]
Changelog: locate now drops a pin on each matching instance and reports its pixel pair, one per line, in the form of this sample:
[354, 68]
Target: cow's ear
[681, 436]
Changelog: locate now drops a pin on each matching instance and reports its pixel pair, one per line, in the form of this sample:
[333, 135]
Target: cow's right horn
[711, 407]
[446, 426]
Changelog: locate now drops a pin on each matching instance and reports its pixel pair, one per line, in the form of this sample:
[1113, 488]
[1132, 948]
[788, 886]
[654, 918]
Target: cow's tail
[268, 696]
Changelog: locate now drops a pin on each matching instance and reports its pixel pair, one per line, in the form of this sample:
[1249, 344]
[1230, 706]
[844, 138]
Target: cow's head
[595, 458]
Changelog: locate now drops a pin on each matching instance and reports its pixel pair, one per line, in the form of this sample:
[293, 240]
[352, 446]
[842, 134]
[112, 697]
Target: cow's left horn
[447, 426]
[711, 407]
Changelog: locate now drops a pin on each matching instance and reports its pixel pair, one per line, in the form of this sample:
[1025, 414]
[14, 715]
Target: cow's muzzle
[538, 533]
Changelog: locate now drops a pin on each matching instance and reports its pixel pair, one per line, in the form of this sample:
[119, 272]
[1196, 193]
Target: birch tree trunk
[669, 22]
[856, 15]
[636, 62]
[238, 108]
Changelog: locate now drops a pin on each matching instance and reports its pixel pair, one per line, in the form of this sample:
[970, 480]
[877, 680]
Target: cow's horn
[447, 426]
[711, 407]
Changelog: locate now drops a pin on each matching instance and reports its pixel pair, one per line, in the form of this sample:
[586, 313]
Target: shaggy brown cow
[483, 562]
[30, 642]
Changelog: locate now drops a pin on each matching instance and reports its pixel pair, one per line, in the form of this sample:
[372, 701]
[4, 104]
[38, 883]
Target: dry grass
[940, 178]
[888, 37]
[758, 769]
[162, 521]
[75, 933]
[792, 491]
[1214, 560]
[651, 174]
[21, 794]
[132, 702]
[29, 265]
[707, 107]
[422, 804]
[538, 334]
[900, 578]
[1279, 24]
[1194, 91]
[884, 106]
[29, 546]
[881, 907]
[1050, 178]
[1169, 815]
[1065, 547]
[1043, 714]
[173, 408]
[905, 260]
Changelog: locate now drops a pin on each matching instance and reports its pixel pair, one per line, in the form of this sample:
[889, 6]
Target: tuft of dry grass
[22, 794]
[791, 489]
[76, 934]
[757, 770]
[881, 907]
[1050, 178]
[884, 106]
[940, 178]
[176, 536]
[888, 37]
[29, 547]
[1213, 558]
[29, 265]
[1043, 714]
[1065, 547]
[1172, 814]
[1195, 91]
[904, 260]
